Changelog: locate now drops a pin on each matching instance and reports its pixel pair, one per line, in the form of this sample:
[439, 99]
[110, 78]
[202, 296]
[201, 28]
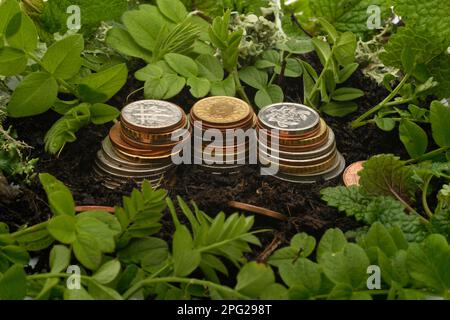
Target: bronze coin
[258, 210]
[155, 138]
[351, 176]
[118, 142]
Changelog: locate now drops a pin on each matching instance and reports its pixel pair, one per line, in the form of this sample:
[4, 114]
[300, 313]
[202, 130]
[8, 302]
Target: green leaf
[186, 258]
[346, 72]
[8, 9]
[33, 96]
[347, 267]
[164, 88]
[151, 71]
[379, 237]
[332, 242]
[270, 95]
[440, 118]
[21, 33]
[12, 61]
[121, 40]
[226, 87]
[146, 250]
[429, 263]
[414, 138]
[99, 231]
[107, 82]
[387, 175]
[349, 15]
[294, 68]
[302, 272]
[254, 278]
[275, 292]
[15, 254]
[62, 228]
[59, 258]
[80, 294]
[323, 50]
[101, 292]
[199, 86]
[255, 78]
[347, 94]
[339, 109]
[297, 46]
[107, 272]
[332, 32]
[63, 58]
[103, 113]
[174, 10]
[182, 64]
[13, 284]
[345, 48]
[408, 60]
[269, 59]
[302, 245]
[385, 124]
[144, 25]
[87, 251]
[209, 67]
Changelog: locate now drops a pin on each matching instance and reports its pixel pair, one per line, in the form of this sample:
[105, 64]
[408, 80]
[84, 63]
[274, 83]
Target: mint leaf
[349, 15]
[439, 69]
[422, 47]
[349, 200]
[387, 175]
[427, 17]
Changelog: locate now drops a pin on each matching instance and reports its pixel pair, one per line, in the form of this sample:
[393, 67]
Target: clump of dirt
[301, 203]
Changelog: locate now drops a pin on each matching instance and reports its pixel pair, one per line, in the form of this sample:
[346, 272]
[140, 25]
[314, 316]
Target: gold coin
[221, 110]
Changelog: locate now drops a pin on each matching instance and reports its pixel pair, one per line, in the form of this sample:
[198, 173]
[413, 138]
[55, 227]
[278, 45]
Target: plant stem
[424, 197]
[26, 231]
[429, 155]
[360, 121]
[240, 90]
[149, 282]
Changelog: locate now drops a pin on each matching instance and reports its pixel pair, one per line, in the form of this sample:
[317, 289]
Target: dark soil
[301, 203]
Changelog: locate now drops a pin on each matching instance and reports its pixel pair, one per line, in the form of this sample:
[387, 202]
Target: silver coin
[124, 174]
[152, 114]
[112, 156]
[289, 117]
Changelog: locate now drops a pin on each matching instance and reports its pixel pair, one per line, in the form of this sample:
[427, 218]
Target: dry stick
[276, 242]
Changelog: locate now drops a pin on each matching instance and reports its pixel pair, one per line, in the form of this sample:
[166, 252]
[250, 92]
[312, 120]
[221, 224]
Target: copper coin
[94, 208]
[258, 210]
[351, 176]
[155, 147]
[118, 142]
[221, 110]
[155, 138]
[152, 116]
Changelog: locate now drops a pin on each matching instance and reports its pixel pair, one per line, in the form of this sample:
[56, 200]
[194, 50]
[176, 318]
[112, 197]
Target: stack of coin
[295, 141]
[222, 116]
[141, 145]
